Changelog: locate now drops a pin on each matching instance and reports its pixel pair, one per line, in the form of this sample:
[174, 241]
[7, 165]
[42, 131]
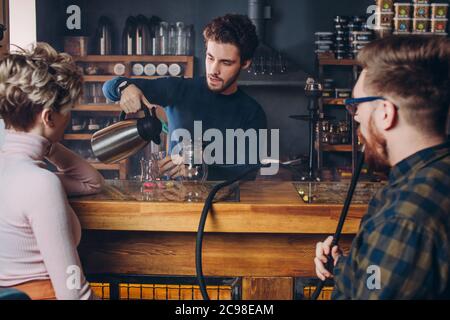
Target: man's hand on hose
[322, 251]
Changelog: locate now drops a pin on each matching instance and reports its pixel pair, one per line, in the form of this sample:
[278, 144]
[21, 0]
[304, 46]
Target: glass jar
[181, 39]
[190, 38]
[162, 39]
[173, 39]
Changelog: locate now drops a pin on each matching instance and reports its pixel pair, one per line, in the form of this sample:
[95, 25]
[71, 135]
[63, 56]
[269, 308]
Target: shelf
[103, 78]
[98, 107]
[135, 58]
[337, 62]
[78, 136]
[333, 102]
[104, 166]
[337, 147]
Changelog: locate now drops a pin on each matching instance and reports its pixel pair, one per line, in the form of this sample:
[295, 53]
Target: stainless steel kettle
[126, 137]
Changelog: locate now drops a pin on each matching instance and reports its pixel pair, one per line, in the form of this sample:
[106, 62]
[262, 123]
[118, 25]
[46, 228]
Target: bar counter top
[252, 207]
[261, 232]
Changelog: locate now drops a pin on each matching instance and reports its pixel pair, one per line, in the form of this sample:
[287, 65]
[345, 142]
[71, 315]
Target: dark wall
[291, 30]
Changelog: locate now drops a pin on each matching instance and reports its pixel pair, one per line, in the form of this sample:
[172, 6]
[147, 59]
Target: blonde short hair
[34, 80]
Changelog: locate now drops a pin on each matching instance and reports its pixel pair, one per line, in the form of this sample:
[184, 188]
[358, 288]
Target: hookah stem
[337, 234]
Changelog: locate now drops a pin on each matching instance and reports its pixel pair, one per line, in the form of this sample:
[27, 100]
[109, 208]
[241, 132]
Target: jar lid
[119, 69]
[150, 69]
[174, 69]
[162, 69]
[138, 69]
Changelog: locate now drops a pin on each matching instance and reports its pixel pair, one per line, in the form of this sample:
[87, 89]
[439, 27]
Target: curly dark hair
[234, 29]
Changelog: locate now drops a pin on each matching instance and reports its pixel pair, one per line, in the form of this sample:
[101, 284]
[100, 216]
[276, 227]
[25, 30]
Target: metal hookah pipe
[313, 91]
[337, 235]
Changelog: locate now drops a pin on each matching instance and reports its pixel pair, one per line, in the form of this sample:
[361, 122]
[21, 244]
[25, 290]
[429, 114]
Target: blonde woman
[39, 231]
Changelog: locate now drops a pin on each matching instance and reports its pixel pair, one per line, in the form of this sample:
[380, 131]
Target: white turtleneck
[39, 232]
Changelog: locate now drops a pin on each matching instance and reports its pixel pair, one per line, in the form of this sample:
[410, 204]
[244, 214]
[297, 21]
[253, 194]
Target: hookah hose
[201, 226]
[208, 204]
[337, 234]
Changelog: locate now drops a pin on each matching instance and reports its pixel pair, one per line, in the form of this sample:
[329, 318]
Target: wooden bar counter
[267, 238]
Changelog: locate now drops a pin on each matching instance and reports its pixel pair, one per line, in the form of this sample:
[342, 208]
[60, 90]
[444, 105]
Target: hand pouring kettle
[126, 137]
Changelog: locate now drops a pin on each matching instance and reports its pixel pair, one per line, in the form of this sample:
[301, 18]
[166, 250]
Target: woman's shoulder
[34, 178]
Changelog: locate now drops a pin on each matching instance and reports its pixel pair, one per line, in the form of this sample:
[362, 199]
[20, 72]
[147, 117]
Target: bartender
[402, 250]
[215, 99]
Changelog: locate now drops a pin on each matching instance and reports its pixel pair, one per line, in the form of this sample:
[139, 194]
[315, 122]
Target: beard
[376, 153]
[225, 84]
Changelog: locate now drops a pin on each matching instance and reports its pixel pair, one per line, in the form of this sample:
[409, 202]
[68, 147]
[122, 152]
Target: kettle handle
[143, 107]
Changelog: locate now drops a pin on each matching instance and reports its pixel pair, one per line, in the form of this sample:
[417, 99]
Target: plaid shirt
[404, 238]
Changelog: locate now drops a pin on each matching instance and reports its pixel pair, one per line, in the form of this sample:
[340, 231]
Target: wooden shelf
[135, 58]
[106, 63]
[333, 102]
[78, 136]
[97, 107]
[104, 166]
[337, 62]
[337, 147]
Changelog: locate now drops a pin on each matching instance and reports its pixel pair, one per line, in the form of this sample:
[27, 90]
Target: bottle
[181, 39]
[104, 38]
[173, 40]
[129, 37]
[126, 137]
[162, 39]
[143, 41]
[190, 40]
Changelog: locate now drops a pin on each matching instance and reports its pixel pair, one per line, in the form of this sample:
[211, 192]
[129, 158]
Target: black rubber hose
[201, 226]
[337, 234]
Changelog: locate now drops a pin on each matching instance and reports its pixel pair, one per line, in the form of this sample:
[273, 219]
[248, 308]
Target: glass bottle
[181, 39]
[162, 39]
[104, 37]
[173, 39]
[129, 37]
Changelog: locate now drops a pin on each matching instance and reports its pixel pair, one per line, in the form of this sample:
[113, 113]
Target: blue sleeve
[163, 91]
[110, 89]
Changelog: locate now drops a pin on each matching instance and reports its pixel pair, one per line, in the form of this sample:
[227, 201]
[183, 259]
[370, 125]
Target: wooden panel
[226, 217]
[265, 207]
[4, 13]
[267, 288]
[225, 255]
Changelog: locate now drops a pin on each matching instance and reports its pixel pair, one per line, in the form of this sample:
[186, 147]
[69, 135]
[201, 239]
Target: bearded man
[401, 102]
[215, 100]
